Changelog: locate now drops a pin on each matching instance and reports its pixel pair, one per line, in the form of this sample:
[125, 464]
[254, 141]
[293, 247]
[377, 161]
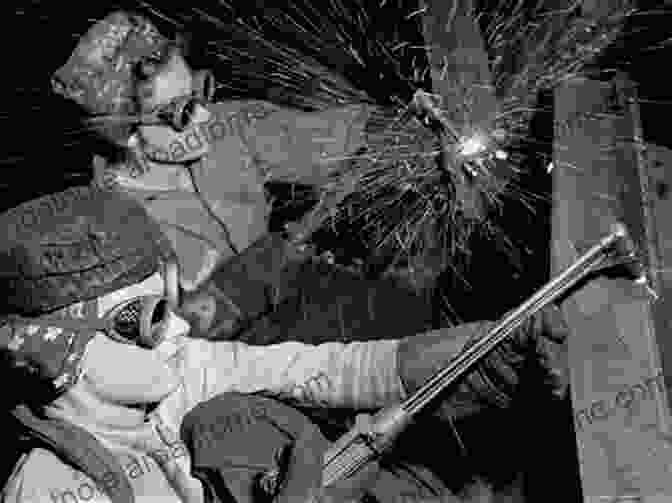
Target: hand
[549, 323]
[539, 345]
[535, 353]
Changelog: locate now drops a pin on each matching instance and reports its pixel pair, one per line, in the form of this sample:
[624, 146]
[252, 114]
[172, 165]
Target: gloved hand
[535, 351]
[255, 449]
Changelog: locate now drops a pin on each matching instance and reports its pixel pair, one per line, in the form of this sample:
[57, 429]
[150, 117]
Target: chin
[142, 394]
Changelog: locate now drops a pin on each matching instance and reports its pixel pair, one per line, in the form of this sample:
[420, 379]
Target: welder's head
[89, 286]
[129, 77]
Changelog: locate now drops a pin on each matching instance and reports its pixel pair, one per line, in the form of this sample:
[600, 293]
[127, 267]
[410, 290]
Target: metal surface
[621, 413]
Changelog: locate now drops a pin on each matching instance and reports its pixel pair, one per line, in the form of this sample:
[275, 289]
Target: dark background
[44, 149]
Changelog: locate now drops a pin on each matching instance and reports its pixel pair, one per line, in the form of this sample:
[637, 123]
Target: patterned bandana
[54, 347]
[55, 343]
[101, 76]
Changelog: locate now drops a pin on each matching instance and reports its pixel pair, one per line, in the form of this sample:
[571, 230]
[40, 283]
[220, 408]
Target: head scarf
[101, 74]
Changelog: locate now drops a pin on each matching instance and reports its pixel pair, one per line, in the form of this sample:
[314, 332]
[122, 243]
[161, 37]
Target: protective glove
[242, 289]
[535, 351]
[251, 449]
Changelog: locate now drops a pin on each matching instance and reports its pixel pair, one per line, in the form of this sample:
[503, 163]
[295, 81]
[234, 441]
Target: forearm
[244, 287]
[290, 298]
[358, 375]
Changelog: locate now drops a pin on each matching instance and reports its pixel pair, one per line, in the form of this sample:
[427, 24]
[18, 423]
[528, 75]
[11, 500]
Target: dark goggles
[142, 321]
[180, 111]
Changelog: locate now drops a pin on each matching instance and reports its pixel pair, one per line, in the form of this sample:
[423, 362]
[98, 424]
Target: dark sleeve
[301, 146]
[284, 297]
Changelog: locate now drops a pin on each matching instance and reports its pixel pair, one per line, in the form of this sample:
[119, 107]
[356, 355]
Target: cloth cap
[60, 253]
[74, 246]
[101, 74]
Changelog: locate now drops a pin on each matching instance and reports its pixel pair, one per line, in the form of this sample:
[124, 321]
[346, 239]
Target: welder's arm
[369, 375]
[357, 375]
[304, 147]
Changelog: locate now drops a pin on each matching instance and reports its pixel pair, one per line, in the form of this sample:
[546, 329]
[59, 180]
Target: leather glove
[535, 351]
[243, 289]
[251, 449]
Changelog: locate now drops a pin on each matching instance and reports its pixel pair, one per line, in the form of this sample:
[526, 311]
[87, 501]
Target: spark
[417, 12]
[607, 197]
[501, 155]
[418, 189]
[471, 146]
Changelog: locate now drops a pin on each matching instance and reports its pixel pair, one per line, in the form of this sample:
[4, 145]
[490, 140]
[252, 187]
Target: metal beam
[621, 411]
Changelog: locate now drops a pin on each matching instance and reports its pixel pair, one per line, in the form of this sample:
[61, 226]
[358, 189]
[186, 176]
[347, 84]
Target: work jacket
[218, 205]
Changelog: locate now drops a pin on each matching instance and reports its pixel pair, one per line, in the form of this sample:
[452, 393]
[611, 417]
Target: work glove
[243, 289]
[254, 449]
[535, 351]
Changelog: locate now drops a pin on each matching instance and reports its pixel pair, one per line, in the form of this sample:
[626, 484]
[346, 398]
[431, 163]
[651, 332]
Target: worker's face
[127, 374]
[181, 94]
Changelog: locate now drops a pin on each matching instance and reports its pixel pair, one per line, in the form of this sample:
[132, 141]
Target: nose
[176, 326]
[200, 113]
[175, 332]
[186, 113]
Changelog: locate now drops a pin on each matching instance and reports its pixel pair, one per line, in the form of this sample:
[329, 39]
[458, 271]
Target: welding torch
[357, 448]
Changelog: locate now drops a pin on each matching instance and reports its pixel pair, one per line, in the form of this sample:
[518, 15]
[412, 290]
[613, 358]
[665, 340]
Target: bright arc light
[472, 146]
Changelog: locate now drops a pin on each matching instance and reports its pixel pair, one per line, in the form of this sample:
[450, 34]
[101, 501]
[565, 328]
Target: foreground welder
[103, 374]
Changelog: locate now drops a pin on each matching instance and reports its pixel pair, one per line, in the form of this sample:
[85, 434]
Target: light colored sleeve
[360, 375]
[300, 146]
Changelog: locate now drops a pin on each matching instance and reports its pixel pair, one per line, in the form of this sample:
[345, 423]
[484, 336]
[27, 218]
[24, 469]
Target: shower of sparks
[423, 197]
[417, 193]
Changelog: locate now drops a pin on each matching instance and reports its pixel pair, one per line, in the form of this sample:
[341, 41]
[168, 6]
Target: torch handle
[355, 449]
